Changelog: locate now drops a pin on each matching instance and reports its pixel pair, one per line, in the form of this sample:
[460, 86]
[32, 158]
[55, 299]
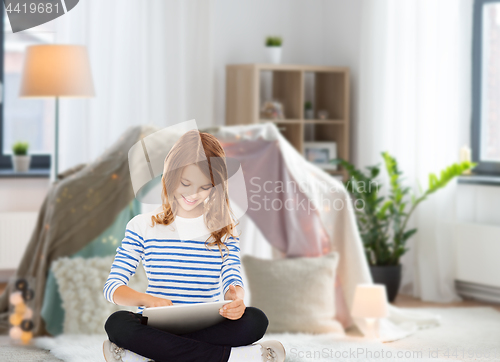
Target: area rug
[299, 347]
[466, 334]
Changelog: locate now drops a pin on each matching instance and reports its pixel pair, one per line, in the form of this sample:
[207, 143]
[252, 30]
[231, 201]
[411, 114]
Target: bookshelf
[249, 85]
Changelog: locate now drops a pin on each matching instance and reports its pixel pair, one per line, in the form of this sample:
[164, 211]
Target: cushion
[81, 282]
[296, 294]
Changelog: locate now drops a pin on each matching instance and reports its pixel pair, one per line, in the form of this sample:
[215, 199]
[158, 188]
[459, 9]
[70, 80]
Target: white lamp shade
[370, 301]
[56, 71]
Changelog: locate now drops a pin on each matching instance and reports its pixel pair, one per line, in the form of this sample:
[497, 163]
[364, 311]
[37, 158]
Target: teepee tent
[326, 224]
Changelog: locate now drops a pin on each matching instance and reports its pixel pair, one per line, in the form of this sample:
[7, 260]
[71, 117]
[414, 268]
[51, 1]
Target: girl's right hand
[152, 301]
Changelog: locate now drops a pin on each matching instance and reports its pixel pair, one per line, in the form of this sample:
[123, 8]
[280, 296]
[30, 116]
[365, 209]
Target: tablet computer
[184, 318]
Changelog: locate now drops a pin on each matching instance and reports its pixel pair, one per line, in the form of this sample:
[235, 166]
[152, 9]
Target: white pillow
[80, 283]
[296, 294]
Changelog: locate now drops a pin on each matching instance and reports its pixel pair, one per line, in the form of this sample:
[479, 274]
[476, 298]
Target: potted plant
[308, 110]
[273, 46]
[383, 220]
[20, 158]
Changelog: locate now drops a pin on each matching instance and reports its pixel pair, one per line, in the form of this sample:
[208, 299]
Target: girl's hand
[236, 308]
[152, 301]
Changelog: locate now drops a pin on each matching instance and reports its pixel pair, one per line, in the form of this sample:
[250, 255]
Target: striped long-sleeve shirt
[184, 271]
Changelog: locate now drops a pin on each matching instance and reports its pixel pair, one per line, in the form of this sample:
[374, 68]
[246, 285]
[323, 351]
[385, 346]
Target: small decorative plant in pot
[308, 110]
[20, 158]
[383, 220]
[273, 47]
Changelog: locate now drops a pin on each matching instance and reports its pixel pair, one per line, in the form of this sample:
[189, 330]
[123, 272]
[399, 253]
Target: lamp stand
[372, 328]
[56, 152]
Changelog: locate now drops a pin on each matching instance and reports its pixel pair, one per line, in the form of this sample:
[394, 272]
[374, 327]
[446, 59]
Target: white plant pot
[21, 163]
[274, 55]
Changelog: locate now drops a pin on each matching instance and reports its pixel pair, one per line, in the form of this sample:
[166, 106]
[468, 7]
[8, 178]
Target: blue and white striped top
[184, 271]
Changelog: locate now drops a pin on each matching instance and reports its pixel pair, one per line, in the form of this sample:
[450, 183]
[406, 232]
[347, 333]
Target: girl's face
[194, 188]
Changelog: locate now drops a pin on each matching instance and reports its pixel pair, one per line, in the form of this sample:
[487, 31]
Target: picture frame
[320, 153]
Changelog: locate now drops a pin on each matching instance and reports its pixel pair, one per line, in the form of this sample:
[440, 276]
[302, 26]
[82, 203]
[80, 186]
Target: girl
[187, 246]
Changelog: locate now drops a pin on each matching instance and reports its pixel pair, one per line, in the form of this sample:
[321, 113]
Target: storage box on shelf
[247, 85]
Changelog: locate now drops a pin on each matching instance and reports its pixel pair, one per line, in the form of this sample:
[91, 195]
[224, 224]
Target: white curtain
[414, 96]
[151, 64]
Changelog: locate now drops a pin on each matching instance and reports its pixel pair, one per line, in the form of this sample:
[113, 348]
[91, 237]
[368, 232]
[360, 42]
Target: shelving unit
[246, 85]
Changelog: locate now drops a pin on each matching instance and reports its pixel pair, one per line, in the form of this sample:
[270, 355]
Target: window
[23, 119]
[486, 87]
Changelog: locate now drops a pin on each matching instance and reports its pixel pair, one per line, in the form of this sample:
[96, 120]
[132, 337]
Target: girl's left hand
[236, 308]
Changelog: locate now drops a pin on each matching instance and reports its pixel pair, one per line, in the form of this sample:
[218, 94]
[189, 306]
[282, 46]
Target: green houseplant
[20, 158]
[308, 110]
[383, 219]
[273, 41]
[273, 47]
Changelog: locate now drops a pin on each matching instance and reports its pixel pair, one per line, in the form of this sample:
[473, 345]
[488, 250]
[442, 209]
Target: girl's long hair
[204, 150]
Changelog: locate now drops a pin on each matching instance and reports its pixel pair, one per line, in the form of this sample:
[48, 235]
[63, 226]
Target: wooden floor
[406, 301]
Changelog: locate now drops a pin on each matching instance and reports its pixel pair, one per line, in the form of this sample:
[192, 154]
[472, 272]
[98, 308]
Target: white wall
[343, 31]
[240, 29]
[478, 204]
[22, 194]
[477, 241]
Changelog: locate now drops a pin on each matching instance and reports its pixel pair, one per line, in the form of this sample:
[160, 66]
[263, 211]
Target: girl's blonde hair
[204, 150]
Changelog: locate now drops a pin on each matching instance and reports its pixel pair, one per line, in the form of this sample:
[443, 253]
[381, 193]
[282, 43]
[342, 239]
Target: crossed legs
[212, 344]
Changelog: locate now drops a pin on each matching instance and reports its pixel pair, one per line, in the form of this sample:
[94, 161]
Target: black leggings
[213, 344]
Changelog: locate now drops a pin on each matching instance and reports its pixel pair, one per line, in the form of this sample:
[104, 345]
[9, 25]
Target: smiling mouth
[188, 201]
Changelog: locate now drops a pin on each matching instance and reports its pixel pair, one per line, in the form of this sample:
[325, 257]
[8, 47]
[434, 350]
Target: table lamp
[56, 71]
[370, 303]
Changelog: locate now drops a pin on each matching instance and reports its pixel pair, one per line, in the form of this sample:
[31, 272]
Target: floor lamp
[56, 71]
